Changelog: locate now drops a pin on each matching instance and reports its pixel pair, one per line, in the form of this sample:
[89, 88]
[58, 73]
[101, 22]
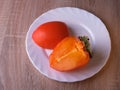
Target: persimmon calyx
[85, 39]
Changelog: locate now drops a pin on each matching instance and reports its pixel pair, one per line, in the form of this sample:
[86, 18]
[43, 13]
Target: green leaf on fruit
[85, 39]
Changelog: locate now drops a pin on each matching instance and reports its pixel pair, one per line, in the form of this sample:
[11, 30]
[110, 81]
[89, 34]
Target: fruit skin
[49, 34]
[69, 54]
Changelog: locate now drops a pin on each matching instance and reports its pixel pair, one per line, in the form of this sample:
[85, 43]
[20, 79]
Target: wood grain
[17, 72]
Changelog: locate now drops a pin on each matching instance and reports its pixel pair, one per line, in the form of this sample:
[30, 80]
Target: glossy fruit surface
[49, 34]
[69, 54]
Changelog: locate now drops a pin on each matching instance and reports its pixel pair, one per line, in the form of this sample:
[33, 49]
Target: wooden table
[17, 72]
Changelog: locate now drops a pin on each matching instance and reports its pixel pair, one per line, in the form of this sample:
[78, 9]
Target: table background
[17, 72]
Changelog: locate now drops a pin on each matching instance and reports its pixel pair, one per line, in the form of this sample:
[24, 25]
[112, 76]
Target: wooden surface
[17, 72]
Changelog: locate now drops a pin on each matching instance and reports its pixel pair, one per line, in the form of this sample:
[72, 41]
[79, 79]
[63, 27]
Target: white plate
[80, 23]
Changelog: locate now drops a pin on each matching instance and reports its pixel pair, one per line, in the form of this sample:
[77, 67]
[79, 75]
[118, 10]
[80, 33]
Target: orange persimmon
[49, 34]
[69, 54]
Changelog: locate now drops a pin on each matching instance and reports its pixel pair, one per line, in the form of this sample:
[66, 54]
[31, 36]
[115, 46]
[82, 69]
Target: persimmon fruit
[49, 34]
[69, 54]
